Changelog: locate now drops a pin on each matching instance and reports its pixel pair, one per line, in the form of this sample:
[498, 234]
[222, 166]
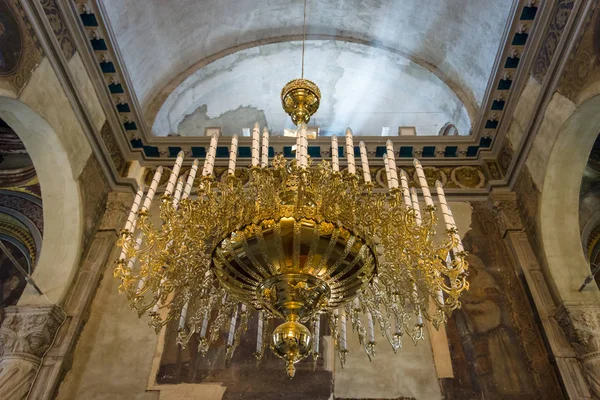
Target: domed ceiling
[379, 63]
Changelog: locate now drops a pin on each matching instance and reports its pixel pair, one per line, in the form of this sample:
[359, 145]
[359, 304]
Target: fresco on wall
[10, 40]
[496, 348]
[243, 378]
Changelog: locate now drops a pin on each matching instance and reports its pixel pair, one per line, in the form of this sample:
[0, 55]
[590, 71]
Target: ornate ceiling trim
[578, 17]
[52, 27]
[148, 149]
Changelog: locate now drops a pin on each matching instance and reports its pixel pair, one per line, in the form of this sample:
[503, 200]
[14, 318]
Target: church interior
[417, 219]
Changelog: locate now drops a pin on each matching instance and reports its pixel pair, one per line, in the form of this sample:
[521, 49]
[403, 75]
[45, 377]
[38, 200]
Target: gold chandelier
[300, 243]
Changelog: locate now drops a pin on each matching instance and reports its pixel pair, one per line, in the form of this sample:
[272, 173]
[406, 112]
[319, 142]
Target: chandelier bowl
[294, 266]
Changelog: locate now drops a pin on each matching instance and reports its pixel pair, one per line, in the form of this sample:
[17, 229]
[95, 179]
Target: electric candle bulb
[255, 144]
[371, 328]
[134, 208]
[174, 173]
[183, 315]
[415, 204]
[350, 152]
[265, 148]
[365, 162]
[204, 325]
[302, 149]
[233, 155]
[392, 164]
[190, 180]
[423, 183]
[259, 332]
[232, 327]
[178, 191]
[343, 330]
[335, 160]
[152, 189]
[388, 174]
[209, 163]
[316, 334]
[405, 191]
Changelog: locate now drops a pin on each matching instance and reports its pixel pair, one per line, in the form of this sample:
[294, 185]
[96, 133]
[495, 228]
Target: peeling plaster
[363, 87]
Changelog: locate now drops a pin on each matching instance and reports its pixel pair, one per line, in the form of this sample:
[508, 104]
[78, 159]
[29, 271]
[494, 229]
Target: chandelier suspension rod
[303, 38]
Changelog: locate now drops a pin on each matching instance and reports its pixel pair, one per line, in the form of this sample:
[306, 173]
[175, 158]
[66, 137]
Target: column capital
[28, 331]
[581, 323]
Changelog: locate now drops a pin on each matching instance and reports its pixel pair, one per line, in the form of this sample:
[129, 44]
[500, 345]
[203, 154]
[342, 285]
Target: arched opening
[21, 216]
[62, 213]
[559, 206]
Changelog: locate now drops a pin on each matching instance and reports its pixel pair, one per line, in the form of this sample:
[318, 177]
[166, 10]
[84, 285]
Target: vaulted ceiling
[391, 60]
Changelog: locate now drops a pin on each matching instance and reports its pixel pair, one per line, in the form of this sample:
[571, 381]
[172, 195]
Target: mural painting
[496, 348]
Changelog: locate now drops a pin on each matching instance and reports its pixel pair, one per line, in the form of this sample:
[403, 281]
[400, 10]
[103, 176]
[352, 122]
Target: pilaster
[26, 334]
[568, 330]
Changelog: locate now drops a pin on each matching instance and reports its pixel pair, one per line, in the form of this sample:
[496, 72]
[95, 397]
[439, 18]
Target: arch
[559, 204]
[159, 96]
[61, 201]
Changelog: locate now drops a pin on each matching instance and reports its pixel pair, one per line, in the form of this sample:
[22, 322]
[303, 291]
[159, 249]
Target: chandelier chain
[303, 38]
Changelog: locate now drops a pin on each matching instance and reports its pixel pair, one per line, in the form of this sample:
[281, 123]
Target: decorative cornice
[144, 146]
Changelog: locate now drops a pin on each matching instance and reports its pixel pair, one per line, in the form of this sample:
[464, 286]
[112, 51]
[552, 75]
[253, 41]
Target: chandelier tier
[297, 242]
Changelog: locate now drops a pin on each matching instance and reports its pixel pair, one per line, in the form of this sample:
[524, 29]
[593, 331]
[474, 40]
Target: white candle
[448, 220]
[265, 148]
[371, 328]
[232, 327]
[136, 246]
[204, 325]
[302, 149]
[134, 208]
[152, 189]
[175, 173]
[392, 162]
[415, 204]
[259, 332]
[255, 144]
[388, 175]
[405, 190]
[183, 315]
[419, 314]
[350, 152]
[233, 155]
[459, 246]
[343, 331]
[423, 183]
[335, 160]
[178, 191]
[316, 334]
[365, 162]
[209, 163]
[440, 296]
[190, 180]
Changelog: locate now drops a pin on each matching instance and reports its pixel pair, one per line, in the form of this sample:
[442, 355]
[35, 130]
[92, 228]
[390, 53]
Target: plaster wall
[558, 111]
[88, 93]
[524, 111]
[114, 356]
[45, 95]
[159, 41]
